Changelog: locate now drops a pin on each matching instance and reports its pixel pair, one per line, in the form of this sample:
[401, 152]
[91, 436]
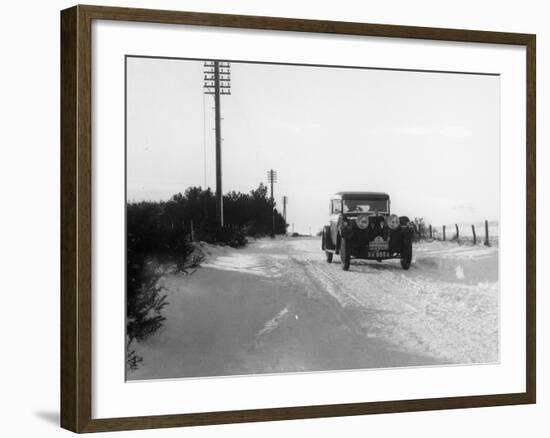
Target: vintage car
[362, 227]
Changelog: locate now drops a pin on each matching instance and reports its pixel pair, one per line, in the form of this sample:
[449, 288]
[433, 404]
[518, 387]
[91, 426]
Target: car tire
[329, 256]
[345, 255]
[406, 256]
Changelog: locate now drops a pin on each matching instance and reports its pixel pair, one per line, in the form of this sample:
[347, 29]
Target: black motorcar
[362, 227]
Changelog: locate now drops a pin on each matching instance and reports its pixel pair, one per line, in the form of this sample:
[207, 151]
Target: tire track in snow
[273, 323]
[413, 322]
[331, 297]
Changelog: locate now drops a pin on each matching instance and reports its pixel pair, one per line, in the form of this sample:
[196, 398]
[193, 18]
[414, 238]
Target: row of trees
[159, 242]
[247, 213]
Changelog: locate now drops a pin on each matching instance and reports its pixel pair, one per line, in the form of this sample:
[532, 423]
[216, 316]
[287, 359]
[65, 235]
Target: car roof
[358, 195]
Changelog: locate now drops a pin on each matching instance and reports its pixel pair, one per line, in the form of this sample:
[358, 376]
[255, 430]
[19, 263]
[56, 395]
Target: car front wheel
[345, 255]
[406, 256]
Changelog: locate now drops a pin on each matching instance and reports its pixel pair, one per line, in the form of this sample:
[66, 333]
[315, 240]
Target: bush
[232, 236]
[154, 246]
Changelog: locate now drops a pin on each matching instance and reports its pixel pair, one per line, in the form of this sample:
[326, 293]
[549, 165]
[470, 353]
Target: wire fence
[480, 233]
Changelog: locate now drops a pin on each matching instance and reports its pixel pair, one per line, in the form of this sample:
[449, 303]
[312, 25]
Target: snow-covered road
[277, 306]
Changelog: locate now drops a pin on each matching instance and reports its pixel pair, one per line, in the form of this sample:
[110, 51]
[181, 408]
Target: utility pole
[217, 82]
[285, 201]
[272, 179]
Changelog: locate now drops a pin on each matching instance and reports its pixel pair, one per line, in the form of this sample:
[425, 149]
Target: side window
[336, 206]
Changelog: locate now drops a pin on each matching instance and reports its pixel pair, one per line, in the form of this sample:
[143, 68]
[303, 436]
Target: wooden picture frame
[76, 217]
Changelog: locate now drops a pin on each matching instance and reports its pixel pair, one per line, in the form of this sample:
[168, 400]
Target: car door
[335, 211]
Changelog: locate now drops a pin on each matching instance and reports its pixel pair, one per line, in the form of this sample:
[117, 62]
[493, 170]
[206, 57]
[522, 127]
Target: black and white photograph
[290, 218]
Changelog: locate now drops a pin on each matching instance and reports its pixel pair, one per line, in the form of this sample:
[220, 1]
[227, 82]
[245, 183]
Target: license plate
[378, 254]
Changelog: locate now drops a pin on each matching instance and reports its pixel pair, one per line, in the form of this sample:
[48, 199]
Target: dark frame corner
[76, 173]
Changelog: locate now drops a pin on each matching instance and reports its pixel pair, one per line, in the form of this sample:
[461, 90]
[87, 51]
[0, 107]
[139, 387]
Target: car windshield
[365, 205]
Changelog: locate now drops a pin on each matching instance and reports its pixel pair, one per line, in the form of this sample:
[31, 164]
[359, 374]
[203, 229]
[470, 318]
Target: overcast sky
[430, 140]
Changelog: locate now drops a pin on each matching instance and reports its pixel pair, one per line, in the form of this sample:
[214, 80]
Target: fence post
[443, 232]
[192, 231]
[431, 234]
[474, 233]
[457, 235]
[486, 233]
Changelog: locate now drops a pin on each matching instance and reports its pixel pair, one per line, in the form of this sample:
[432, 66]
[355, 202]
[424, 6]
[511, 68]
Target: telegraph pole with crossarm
[217, 82]
[272, 179]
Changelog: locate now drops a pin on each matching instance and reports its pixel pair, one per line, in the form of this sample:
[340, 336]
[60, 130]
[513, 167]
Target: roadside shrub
[232, 236]
[154, 247]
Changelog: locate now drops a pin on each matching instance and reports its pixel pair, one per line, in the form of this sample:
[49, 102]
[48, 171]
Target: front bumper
[363, 246]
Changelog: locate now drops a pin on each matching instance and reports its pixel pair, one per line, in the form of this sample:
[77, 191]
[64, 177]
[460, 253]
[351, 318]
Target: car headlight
[393, 221]
[362, 221]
